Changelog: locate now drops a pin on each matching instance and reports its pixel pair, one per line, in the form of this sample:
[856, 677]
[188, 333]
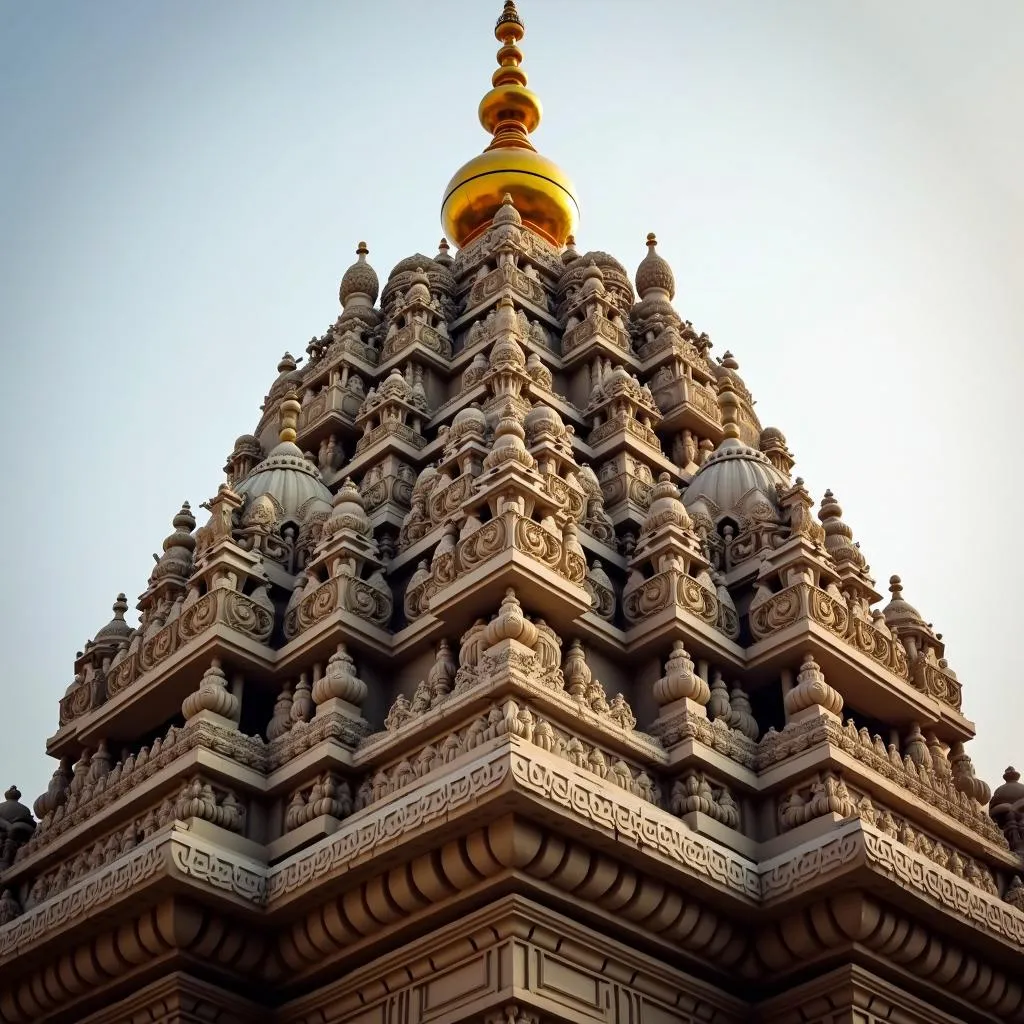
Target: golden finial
[510, 111]
[290, 409]
[542, 193]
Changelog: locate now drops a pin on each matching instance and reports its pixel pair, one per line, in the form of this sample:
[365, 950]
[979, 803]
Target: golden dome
[510, 165]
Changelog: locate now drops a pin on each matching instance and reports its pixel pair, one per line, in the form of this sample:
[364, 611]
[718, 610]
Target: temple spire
[540, 190]
[510, 111]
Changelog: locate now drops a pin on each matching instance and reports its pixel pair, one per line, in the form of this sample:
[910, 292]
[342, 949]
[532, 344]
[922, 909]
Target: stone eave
[856, 854]
[655, 633]
[135, 800]
[320, 641]
[825, 755]
[541, 590]
[170, 681]
[863, 681]
[514, 920]
[519, 789]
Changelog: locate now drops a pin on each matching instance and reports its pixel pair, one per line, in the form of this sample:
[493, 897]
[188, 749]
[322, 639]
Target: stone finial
[654, 276]
[441, 676]
[116, 628]
[679, 680]
[340, 681]
[811, 689]
[964, 779]
[510, 623]
[213, 695]
[281, 721]
[289, 414]
[576, 671]
[719, 705]
[729, 404]
[359, 285]
[838, 536]
[916, 748]
[56, 791]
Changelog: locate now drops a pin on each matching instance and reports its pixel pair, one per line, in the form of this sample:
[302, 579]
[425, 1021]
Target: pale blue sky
[838, 187]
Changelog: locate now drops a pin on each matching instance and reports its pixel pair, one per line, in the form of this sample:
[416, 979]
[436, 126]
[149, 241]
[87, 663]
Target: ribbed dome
[613, 272]
[733, 477]
[359, 279]
[654, 272]
[116, 628]
[899, 611]
[417, 261]
[293, 485]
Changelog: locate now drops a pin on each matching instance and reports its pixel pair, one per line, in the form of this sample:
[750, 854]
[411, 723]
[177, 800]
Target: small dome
[360, 280]
[290, 482]
[654, 273]
[410, 265]
[436, 270]
[543, 419]
[348, 512]
[444, 257]
[247, 444]
[470, 418]
[13, 811]
[900, 612]
[593, 279]
[733, 479]
[665, 506]
[613, 272]
[1010, 793]
[116, 628]
[507, 212]
[419, 286]
[288, 375]
[771, 436]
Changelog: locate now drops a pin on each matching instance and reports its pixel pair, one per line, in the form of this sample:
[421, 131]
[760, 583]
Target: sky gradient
[838, 187]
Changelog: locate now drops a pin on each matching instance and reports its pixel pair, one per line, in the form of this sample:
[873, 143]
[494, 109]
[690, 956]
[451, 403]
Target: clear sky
[838, 186]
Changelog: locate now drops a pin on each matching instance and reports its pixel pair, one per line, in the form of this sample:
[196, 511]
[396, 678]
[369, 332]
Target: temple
[513, 677]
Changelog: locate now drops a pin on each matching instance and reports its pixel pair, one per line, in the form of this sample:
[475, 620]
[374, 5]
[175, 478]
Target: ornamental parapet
[623, 422]
[594, 328]
[89, 799]
[508, 276]
[684, 402]
[918, 782]
[387, 429]
[805, 601]
[336, 399]
[220, 606]
[416, 333]
[941, 685]
[510, 531]
[673, 587]
[506, 718]
[835, 793]
[366, 599]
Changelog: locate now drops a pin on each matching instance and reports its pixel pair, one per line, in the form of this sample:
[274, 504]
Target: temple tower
[513, 677]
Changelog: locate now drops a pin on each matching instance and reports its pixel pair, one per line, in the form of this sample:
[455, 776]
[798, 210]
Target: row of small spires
[653, 275]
